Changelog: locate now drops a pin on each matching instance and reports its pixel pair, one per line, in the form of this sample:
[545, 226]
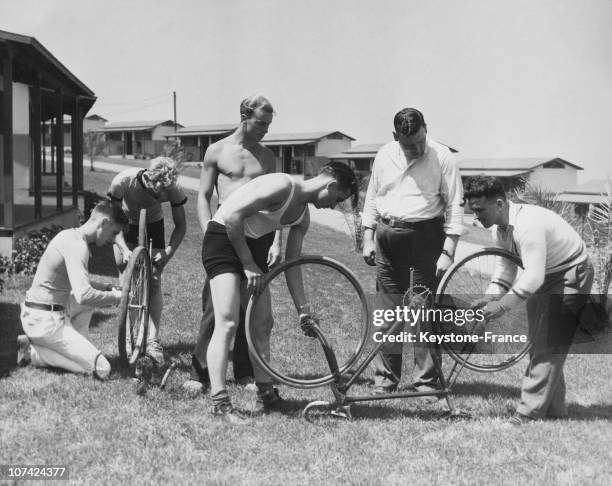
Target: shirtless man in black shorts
[264, 204]
[229, 164]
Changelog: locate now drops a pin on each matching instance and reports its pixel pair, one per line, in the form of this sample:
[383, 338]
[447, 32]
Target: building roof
[31, 58]
[300, 138]
[95, 117]
[595, 186]
[525, 164]
[493, 172]
[136, 126]
[592, 192]
[194, 130]
[368, 151]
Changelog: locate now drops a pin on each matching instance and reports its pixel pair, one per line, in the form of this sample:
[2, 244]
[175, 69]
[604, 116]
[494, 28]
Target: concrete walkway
[330, 218]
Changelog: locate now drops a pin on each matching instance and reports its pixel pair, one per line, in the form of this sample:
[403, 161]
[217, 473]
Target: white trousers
[61, 339]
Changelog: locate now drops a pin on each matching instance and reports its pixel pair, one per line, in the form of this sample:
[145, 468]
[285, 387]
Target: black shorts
[155, 232]
[219, 255]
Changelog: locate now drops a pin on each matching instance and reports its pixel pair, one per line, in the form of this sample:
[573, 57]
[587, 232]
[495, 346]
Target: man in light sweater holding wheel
[554, 285]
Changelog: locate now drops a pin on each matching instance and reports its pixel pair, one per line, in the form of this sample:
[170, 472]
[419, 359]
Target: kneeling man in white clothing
[59, 305]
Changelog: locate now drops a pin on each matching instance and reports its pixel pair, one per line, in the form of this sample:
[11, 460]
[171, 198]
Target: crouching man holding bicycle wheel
[261, 206]
[135, 189]
[59, 305]
[555, 282]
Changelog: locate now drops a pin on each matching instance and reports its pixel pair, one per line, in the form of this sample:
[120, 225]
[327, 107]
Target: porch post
[36, 125]
[59, 140]
[77, 150]
[7, 132]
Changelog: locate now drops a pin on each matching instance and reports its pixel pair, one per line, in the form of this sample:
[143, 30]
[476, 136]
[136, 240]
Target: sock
[264, 388]
[221, 400]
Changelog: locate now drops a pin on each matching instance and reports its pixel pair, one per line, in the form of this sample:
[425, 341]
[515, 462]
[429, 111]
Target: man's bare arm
[208, 180]
[294, 274]
[180, 228]
[268, 162]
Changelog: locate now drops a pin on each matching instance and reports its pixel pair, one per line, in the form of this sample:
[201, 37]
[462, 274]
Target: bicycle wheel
[478, 344]
[142, 229]
[338, 303]
[134, 307]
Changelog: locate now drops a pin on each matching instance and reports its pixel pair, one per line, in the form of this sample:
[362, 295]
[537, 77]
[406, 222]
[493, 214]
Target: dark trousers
[397, 251]
[554, 314]
[241, 362]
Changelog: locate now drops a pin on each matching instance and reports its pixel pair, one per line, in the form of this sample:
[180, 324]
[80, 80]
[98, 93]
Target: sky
[494, 78]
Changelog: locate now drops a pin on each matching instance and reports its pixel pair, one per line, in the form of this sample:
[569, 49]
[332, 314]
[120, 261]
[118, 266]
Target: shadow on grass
[486, 389]
[596, 411]
[367, 411]
[99, 319]
[180, 347]
[10, 329]
[576, 411]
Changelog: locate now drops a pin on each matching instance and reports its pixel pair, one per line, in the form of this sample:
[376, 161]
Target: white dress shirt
[421, 189]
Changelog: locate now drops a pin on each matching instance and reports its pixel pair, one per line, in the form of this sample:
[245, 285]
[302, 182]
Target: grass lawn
[107, 434]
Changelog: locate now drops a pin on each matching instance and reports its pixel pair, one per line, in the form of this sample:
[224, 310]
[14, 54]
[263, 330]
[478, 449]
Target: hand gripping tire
[339, 307]
[465, 282]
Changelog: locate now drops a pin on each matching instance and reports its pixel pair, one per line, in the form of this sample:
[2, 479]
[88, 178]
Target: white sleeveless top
[264, 222]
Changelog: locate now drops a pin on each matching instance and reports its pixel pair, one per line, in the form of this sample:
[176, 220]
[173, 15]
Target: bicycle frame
[340, 387]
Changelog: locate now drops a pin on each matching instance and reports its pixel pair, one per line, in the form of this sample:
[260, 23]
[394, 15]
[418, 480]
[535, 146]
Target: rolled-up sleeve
[116, 191]
[370, 213]
[176, 196]
[452, 192]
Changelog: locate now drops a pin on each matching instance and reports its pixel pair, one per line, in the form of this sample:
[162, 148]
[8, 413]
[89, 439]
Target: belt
[398, 223]
[47, 307]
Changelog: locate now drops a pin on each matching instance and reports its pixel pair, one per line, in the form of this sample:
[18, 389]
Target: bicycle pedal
[342, 412]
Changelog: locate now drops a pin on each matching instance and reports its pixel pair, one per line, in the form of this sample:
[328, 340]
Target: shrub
[27, 253]
[29, 249]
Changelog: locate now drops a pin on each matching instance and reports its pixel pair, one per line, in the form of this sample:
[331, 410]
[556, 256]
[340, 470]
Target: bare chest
[236, 168]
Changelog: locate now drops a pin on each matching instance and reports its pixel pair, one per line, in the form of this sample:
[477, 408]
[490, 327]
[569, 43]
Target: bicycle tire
[142, 229]
[464, 282]
[339, 304]
[134, 307]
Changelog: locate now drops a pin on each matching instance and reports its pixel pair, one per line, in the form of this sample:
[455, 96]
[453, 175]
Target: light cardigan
[544, 241]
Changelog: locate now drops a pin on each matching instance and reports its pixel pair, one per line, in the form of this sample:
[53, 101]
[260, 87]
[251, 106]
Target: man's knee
[227, 325]
[102, 367]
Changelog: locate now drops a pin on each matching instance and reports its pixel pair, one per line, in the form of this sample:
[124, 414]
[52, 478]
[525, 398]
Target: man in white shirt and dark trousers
[412, 219]
[59, 305]
[554, 284]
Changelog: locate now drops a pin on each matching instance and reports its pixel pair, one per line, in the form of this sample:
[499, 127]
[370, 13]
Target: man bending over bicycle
[261, 206]
[137, 189]
[554, 285]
